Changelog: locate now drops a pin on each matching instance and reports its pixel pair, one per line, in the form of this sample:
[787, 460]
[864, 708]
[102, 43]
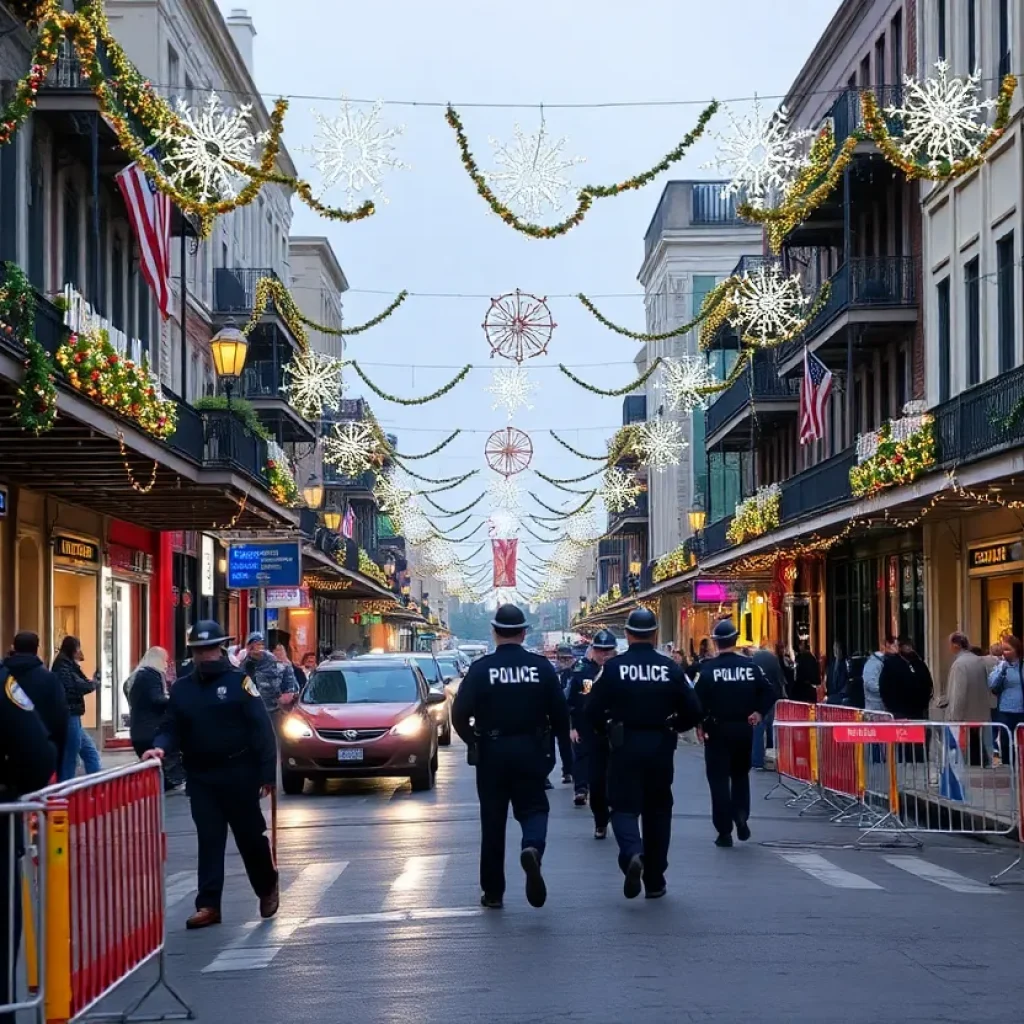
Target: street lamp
[332, 519]
[313, 492]
[405, 594]
[229, 347]
[697, 516]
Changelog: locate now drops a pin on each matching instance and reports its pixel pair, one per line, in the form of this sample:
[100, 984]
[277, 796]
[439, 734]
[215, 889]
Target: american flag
[149, 211]
[348, 524]
[814, 391]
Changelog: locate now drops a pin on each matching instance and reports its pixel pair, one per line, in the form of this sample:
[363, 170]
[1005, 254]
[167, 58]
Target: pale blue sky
[437, 235]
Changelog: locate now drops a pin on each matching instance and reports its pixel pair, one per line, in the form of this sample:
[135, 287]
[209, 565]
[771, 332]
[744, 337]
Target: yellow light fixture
[332, 519]
[635, 567]
[313, 492]
[697, 517]
[229, 347]
[222, 566]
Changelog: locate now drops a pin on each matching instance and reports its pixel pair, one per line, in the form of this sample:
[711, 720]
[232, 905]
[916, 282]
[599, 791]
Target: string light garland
[676, 332]
[756, 515]
[440, 392]
[233, 521]
[896, 459]
[613, 392]
[587, 194]
[136, 486]
[368, 567]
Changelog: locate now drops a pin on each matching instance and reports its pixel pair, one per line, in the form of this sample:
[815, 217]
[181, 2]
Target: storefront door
[996, 573]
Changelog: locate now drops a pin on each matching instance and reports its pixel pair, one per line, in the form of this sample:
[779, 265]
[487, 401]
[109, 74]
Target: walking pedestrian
[41, 686]
[906, 687]
[768, 662]
[837, 678]
[272, 673]
[967, 696]
[506, 707]
[589, 751]
[216, 718]
[565, 664]
[1007, 683]
[807, 676]
[67, 667]
[640, 702]
[735, 696]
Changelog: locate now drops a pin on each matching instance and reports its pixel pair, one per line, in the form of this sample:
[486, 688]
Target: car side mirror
[436, 698]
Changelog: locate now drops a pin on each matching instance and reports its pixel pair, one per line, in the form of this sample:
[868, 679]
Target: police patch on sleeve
[250, 688]
[18, 696]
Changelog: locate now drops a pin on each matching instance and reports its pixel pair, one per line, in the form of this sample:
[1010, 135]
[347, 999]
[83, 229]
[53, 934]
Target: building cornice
[320, 246]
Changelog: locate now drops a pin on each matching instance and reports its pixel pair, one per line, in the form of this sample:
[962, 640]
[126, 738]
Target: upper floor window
[940, 25]
[173, 69]
[944, 354]
[896, 46]
[972, 313]
[1006, 325]
[972, 36]
[880, 65]
[1003, 28]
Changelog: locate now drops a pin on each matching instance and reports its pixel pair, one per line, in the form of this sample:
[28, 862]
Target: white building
[317, 284]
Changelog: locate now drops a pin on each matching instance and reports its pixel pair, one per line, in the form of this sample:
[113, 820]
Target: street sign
[888, 732]
[264, 565]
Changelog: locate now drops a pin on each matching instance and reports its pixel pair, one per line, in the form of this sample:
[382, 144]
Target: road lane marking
[419, 876]
[825, 871]
[941, 876]
[259, 942]
[394, 916]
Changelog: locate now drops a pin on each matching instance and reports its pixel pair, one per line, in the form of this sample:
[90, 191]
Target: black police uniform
[730, 688]
[216, 718]
[514, 700]
[28, 760]
[641, 700]
[581, 681]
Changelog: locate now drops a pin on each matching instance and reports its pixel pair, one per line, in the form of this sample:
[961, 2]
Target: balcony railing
[819, 487]
[713, 539]
[234, 288]
[334, 477]
[262, 379]
[709, 207]
[189, 437]
[66, 72]
[974, 423]
[750, 264]
[848, 115]
[230, 446]
[640, 510]
[761, 382]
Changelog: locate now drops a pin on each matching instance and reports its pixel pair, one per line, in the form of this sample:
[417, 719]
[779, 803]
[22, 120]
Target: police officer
[217, 719]
[589, 753]
[28, 760]
[735, 695]
[514, 701]
[565, 665]
[641, 700]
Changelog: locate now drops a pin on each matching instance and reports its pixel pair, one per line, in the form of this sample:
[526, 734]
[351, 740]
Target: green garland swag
[582, 455]
[448, 529]
[567, 490]
[462, 540]
[556, 480]
[586, 195]
[613, 392]
[640, 335]
[438, 480]
[35, 401]
[537, 536]
[561, 513]
[433, 451]
[457, 379]
[455, 512]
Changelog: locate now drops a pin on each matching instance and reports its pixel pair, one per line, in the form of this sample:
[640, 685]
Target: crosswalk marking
[825, 871]
[178, 886]
[395, 916]
[941, 876]
[419, 876]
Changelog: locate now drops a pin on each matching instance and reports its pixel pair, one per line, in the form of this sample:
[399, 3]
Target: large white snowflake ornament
[353, 151]
[942, 118]
[313, 383]
[619, 490]
[770, 307]
[530, 174]
[200, 149]
[512, 387]
[502, 524]
[659, 444]
[581, 528]
[761, 154]
[686, 381]
[505, 494]
[354, 447]
[391, 497]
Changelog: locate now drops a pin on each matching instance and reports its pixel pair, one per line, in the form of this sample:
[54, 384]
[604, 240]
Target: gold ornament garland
[586, 195]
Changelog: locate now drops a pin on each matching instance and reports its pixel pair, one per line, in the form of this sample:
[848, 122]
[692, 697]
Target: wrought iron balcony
[66, 73]
[189, 437]
[230, 446]
[364, 482]
[759, 383]
[847, 112]
[635, 516]
[234, 288]
[976, 422]
[713, 538]
[819, 487]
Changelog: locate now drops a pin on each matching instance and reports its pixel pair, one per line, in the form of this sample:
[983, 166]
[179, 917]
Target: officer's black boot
[536, 890]
[634, 875]
[491, 902]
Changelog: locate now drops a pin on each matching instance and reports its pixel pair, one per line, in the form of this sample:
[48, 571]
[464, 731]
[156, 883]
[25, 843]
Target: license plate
[350, 754]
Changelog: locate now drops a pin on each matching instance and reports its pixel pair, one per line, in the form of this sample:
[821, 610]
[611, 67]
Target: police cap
[604, 640]
[641, 621]
[509, 617]
[207, 633]
[563, 651]
[725, 630]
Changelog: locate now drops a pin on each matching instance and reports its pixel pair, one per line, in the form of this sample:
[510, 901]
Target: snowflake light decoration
[505, 494]
[619, 490]
[685, 382]
[392, 498]
[354, 150]
[200, 150]
[761, 154]
[313, 383]
[530, 176]
[942, 118]
[581, 528]
[353, 447]
[768, 306]
[503, 524]
[659, 443]
[511, 387]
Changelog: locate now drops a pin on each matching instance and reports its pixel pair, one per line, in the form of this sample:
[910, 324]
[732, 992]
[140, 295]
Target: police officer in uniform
[565, 665]
[640, 701]
[28, 760]
[217, 719]
[514, 701]
[735, 695]
[589, 753]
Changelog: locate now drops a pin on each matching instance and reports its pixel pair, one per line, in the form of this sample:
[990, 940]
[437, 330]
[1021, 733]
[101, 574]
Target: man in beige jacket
[967, 692]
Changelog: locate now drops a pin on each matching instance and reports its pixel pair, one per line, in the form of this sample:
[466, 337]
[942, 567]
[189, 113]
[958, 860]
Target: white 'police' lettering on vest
[734, 674]
[520, 674]
[644, 673]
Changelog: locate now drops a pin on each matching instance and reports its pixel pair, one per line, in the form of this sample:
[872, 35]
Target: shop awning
[325, 576]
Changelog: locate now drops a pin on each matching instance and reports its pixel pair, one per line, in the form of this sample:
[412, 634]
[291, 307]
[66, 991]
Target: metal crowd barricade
[793, 755]
[23, 877]
[104, 912]
[1014, 873]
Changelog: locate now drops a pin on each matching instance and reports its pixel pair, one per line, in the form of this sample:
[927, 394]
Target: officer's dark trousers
[581, 762]
[511, 770]
[599, 782]
[727, 762]
[216, 807]
[640, 793]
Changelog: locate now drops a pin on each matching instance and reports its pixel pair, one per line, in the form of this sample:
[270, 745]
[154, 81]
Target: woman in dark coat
[146, 690]
[807, 677]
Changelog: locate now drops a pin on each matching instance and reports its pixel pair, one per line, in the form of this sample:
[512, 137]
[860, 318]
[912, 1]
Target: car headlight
[411, 726]
[295, 728]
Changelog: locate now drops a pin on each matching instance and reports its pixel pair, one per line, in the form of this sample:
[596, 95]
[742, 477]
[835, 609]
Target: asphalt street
[380, 921]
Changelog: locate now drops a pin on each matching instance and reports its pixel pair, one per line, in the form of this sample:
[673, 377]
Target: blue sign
[251, 566]
[3, 502]
[272, 618]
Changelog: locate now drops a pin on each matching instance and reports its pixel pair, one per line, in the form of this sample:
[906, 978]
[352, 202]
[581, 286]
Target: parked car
[442, 711]
[360, 718]
[453, 668]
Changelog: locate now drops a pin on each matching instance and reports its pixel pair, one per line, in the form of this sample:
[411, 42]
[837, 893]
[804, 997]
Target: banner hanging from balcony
[504, 553]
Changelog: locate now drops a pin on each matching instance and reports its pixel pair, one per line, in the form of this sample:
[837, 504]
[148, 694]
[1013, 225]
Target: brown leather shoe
[203, 918]
[270, 902]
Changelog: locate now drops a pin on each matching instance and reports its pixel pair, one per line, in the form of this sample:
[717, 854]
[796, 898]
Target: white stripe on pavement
[178, 886]
[395, 916]
[941, 876]
[259, 942]
[825, 871]
[419, 876]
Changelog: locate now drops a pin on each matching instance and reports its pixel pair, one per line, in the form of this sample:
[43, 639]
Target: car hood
[356, 716]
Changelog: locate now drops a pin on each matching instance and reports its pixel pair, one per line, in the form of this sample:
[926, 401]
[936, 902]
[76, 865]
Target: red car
[361, 719]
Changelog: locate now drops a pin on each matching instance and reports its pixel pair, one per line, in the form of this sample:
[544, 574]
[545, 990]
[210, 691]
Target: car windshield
[363, 684]
[429, 666]
[449, 665]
